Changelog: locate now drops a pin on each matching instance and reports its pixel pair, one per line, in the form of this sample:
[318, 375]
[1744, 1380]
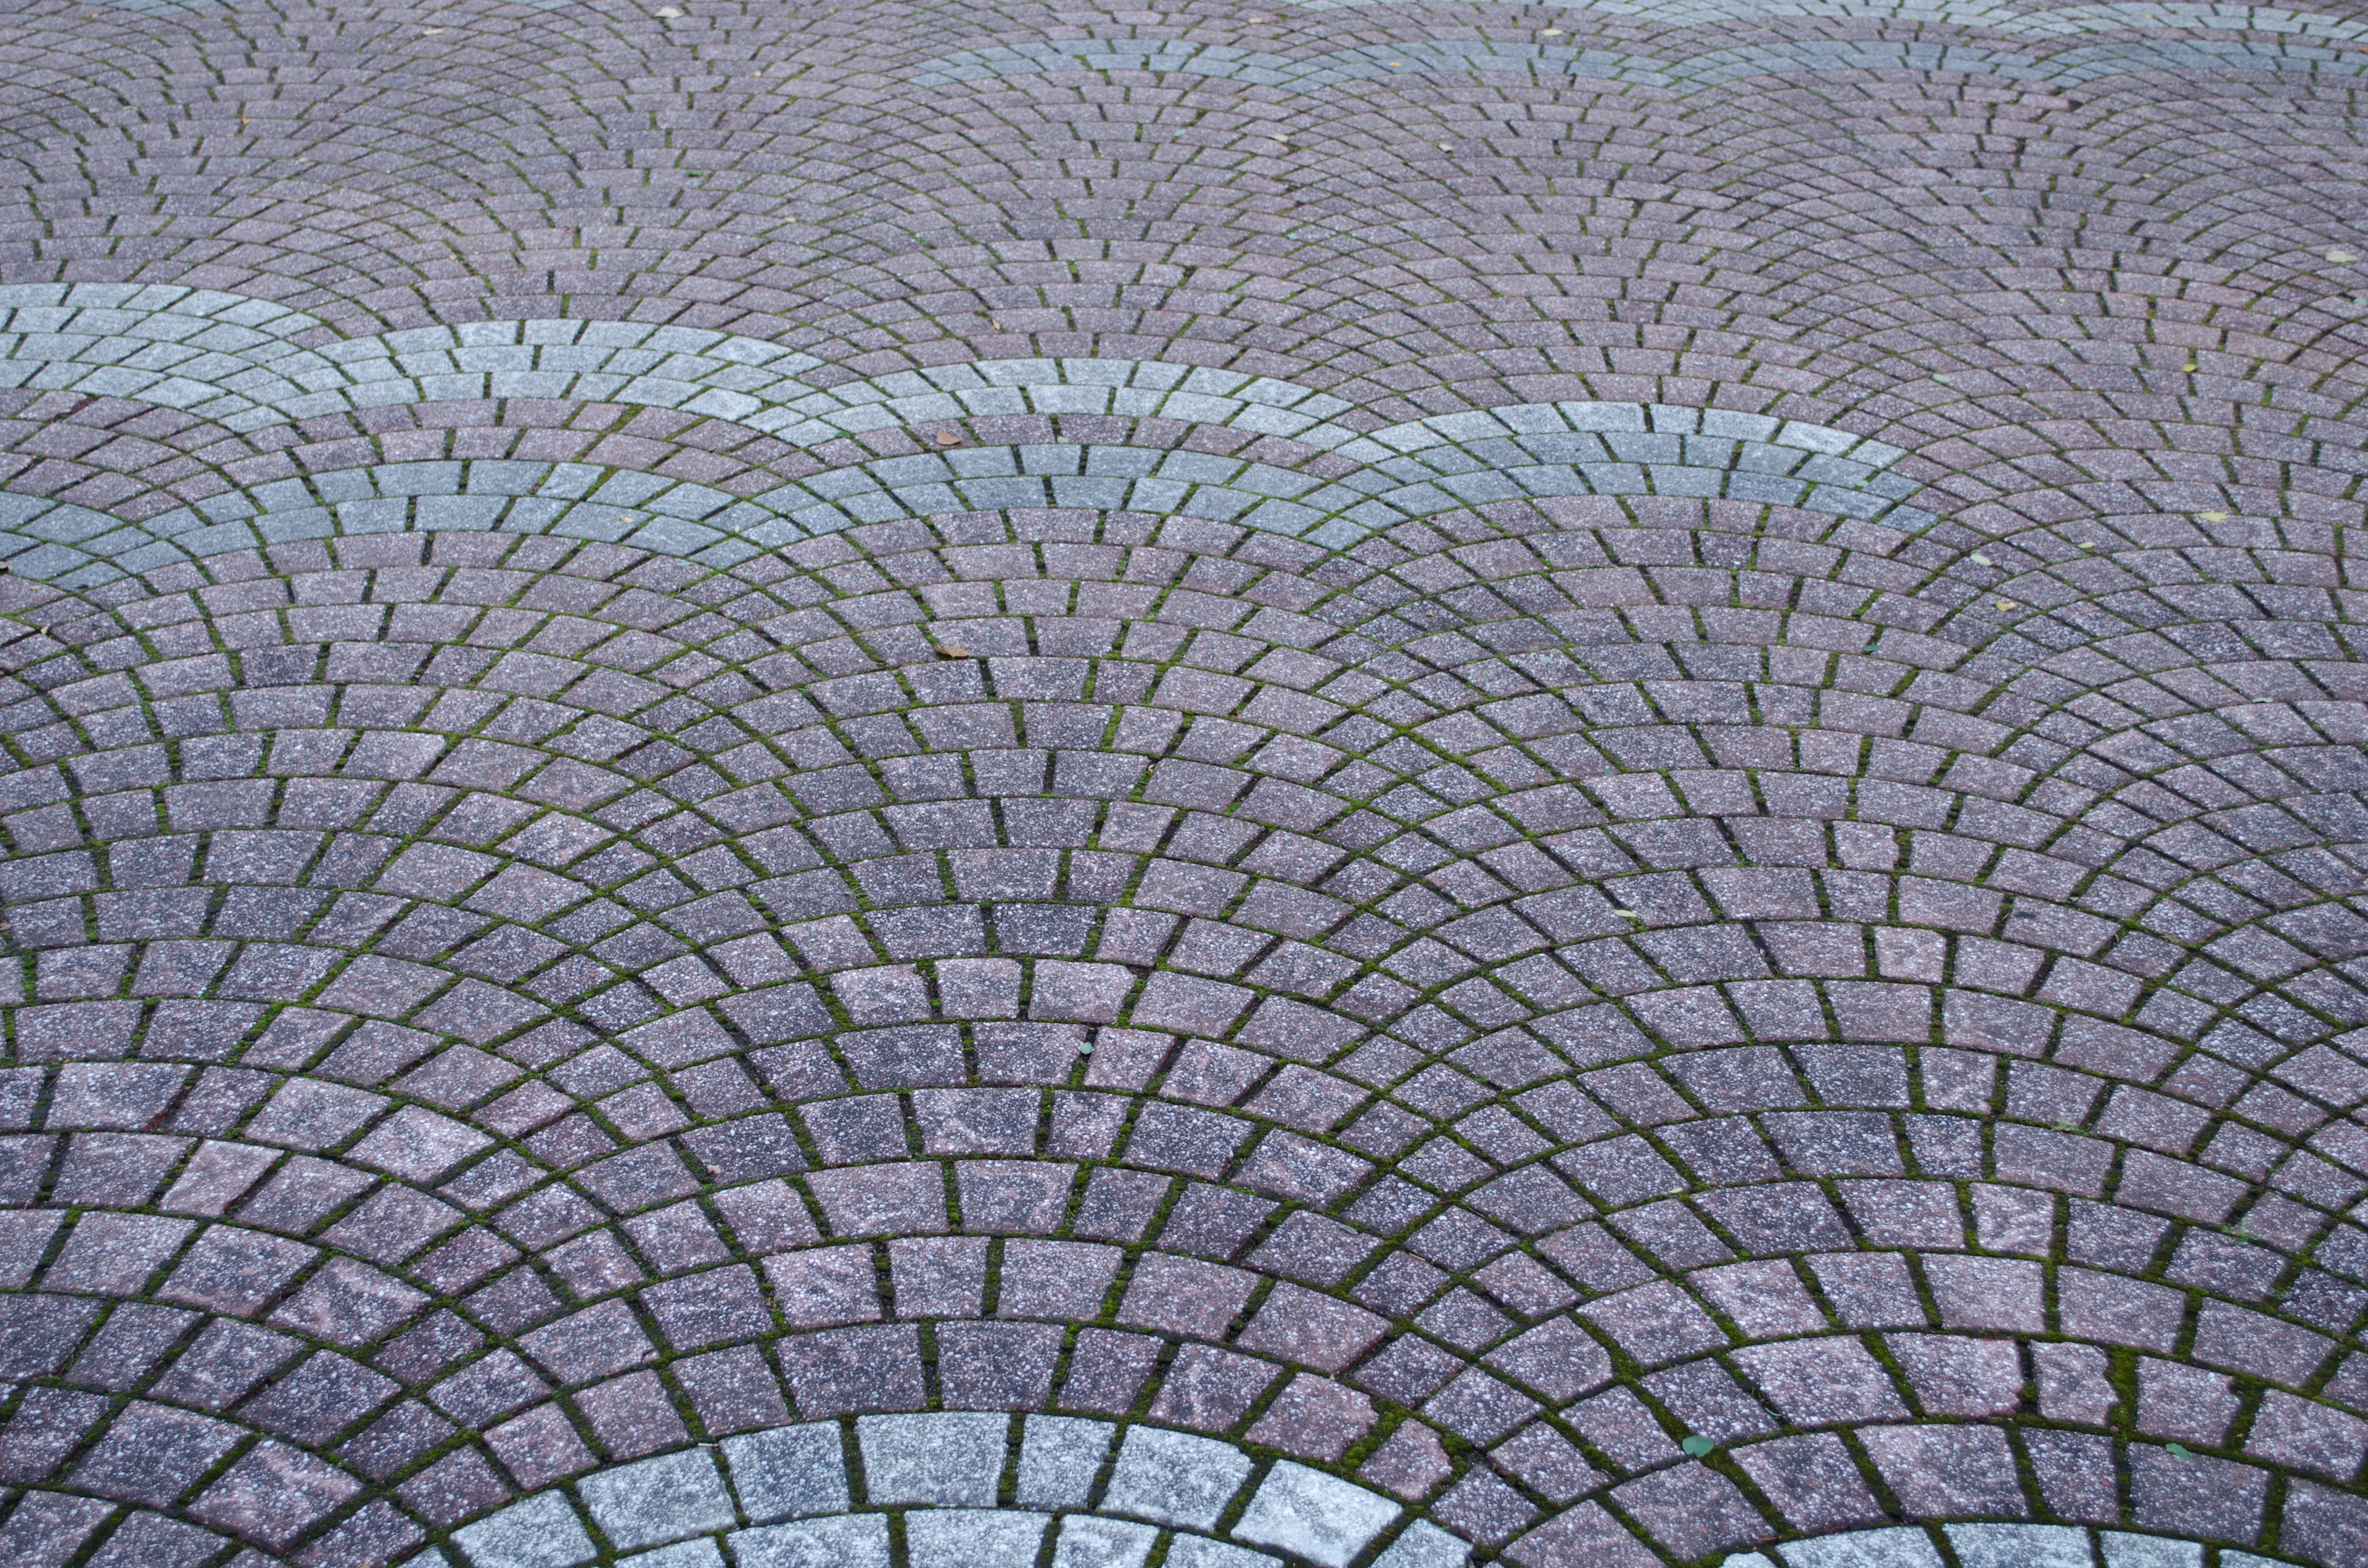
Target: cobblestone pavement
[1359, 783]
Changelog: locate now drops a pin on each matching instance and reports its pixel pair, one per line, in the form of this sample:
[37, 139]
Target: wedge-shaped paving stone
[985, 1537]
[851, 1540]
[541, 1532]
[789, 1472]
[1312, 1515]
[1424, 1545]
[2020, 1546]
[687, 1554]
[2117, 1550]
[1085, 1542]
[1902, 1548]
[658, 1500]
[1060, 1457]
[1175, 1479]
[950, 1461]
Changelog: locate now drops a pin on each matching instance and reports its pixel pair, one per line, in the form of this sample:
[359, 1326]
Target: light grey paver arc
[936, 1462]
[1405, 474]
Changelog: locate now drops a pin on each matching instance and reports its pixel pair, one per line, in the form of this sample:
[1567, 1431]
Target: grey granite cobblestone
[950, 1466]
[70, 325]
[1524, 452]
[1992, 1546]
[2057, 21]
[1692, 74]
[920, 1458]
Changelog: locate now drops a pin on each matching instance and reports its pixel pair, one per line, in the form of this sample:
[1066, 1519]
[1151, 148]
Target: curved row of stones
[1185, 918]
[1991, 1546]
[229, 359]
[2073, 68]
[2058, 21]
[1713, 68]
[2282, 333]
[2116, 15]
[1743, 236]
[790, 1500]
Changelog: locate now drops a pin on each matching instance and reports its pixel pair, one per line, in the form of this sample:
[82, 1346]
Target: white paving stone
[2123, 1551]
[1060, 1456]
[1088, 1542]
[658, 1500]
[851, 1540]
[1316, 1515]
[789, 1472]
[683, 1554]
[973, 1538]
[1905, 1547]
[1424, 1545]
[951, 1460]
[1200, 1552]
[1176, 1479]
[541, 1532]
[2020, 1546]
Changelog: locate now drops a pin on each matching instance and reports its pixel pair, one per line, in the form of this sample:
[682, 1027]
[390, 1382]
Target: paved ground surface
[1004, 784]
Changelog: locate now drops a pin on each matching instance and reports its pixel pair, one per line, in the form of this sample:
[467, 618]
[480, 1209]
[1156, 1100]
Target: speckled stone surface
[1354, 784]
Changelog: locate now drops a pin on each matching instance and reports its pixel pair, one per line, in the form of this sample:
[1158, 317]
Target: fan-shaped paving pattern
[772, 891]
[1376, 786]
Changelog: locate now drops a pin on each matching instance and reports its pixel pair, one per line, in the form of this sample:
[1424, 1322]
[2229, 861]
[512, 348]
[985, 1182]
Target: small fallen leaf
[2083, 544]
[1551, 32]
[1626, 913]
[431, 32]
[2006, 604]
[1397, 65]
[1084, 1048]
[949, 651]
[2189, 367]
[1941, 378]
[1980, 559]
[668, 11]
[947, 438]
[2342, 255]
[2213, 517]
[2179, 1450]
[1698, 1446]
[1444, 148]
